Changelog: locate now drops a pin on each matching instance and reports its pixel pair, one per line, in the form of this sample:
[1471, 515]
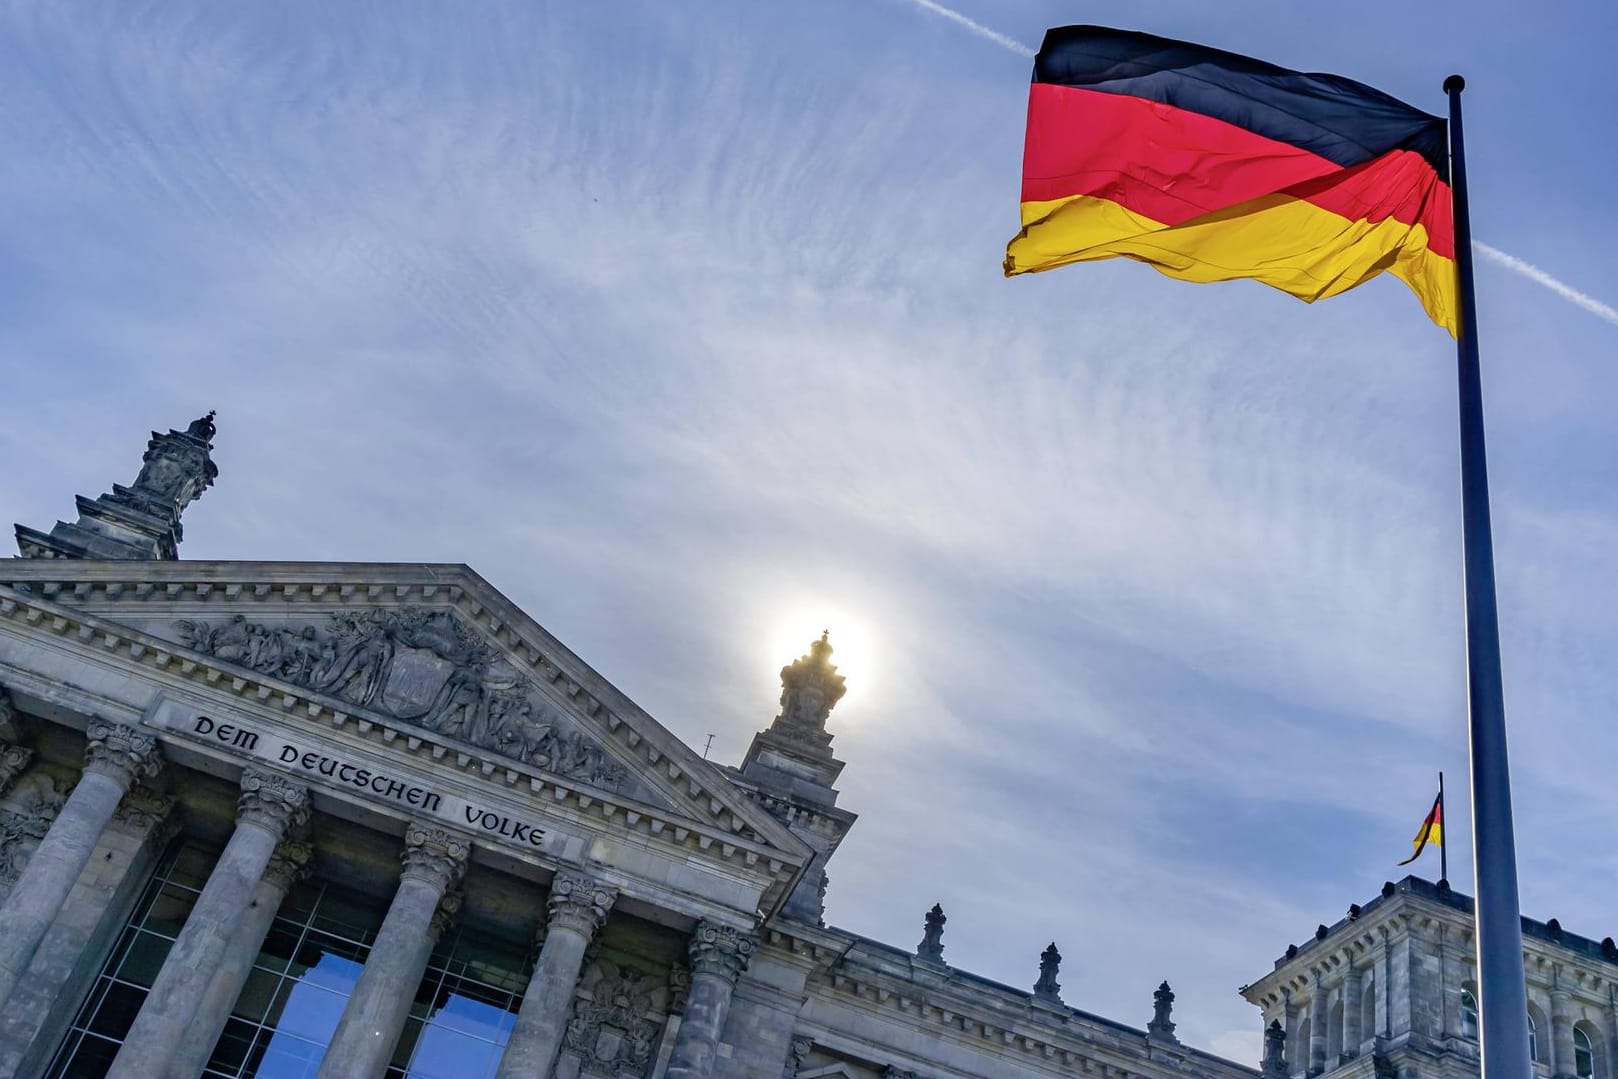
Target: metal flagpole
[1502, 996]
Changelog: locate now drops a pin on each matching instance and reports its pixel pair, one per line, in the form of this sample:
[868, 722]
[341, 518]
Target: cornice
[980, 1014]
[169, 662]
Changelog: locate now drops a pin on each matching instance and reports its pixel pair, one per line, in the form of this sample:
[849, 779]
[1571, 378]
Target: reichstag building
[347, 821]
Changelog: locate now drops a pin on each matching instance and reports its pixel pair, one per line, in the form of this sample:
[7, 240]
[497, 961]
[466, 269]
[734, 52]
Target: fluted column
[575, 911]
[269, 806]
[1562, 1032]
[1352, 1020]
[434, 860]
[718, 955]
[1317, 1028]
[116, 756]
[288, 865]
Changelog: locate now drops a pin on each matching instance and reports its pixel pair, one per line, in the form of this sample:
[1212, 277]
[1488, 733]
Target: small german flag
[1431, 831]
[1210, 166]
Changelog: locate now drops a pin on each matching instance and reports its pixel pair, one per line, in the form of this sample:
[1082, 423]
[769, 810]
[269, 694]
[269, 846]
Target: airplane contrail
[1492, 254]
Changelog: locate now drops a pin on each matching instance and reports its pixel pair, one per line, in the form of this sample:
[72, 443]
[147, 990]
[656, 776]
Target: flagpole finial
[1454, 84]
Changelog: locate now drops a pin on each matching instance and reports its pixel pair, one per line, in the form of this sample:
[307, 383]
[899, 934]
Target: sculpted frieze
[23, 823]
[419, 666]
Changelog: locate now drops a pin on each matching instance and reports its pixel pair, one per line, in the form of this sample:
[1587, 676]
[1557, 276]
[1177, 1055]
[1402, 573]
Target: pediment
[430, 651]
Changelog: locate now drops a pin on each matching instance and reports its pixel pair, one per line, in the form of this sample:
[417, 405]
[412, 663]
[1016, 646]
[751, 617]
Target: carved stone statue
[418, 666]
[1048, 988]
[931, 947]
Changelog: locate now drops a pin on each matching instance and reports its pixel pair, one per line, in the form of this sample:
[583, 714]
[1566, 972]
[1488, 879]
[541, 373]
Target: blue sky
[684, 325]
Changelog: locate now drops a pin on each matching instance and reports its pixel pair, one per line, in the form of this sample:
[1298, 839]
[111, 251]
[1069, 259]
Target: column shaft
[269, 805]
[115, 757]
[575, 910]
[1317, 1029]
[380, 1003]
[719, 954]
[1562, 1032]
[287, 865]
[1352, 1019]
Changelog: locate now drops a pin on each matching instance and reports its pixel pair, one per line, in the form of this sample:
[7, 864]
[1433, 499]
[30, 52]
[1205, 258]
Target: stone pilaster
[116, 756]
[270, 805]
[575, 911]
[719, 955]
[1352, 1019]
[1317, 1027]
[288, 864]
[14, 760]
[1562, 1033]
[434, 860]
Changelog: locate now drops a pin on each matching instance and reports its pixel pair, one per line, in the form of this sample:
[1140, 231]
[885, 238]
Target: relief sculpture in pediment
[423, 667]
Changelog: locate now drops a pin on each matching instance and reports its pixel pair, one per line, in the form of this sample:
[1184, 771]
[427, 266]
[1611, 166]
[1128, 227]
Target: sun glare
[852, 640]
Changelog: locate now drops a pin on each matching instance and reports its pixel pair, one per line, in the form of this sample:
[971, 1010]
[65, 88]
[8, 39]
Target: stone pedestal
[376, 1011]
[268, 807]
[575, 911]
[718, 954]
[288, 865]
[116, 756]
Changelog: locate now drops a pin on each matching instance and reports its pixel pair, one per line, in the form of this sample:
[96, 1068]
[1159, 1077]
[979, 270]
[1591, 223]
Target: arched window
[1334, 1035]
[1533, 1038]
[1469, 1015]
[1368, 1024]
[1584, 1055]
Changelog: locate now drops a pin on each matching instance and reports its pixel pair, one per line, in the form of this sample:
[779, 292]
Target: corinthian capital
[144, 808]
[121, 752]
[14, 760]
[721, 950]
[434, 855]
[272, 802]
[578, 902]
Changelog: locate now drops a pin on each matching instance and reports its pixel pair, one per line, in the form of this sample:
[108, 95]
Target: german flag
[1432, 830]
[1212, 166]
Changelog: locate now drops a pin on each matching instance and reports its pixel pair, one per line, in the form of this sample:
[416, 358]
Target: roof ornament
[1161, 1028]
[1275, 1050]
[1048, 989]
[931, 947]
[141, 521]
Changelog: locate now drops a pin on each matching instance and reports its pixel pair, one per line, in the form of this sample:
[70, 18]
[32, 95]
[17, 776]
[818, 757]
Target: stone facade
[207, 768]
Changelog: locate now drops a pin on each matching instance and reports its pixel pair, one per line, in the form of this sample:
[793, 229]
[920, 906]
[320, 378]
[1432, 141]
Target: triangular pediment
[430, 652]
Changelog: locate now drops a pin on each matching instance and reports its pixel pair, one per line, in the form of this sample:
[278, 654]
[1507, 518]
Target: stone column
[1318, 1018]
[1562, 1033]
[269, 806]
[288, 865]
[116, 756]
[1352, 1019]
[376, 1011]
[14, 760]
[575, 911]
[718, 955]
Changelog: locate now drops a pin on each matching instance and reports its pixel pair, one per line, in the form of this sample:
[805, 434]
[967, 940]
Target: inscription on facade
[402, 788]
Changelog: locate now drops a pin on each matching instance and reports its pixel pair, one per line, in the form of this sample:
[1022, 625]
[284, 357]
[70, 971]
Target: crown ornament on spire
[810, 688]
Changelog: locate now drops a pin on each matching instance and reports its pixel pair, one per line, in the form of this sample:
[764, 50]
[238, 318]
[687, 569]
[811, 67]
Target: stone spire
[1048, 988]
[791, 771]
[1161, 1028]
[141, 521]
[1275, 1050]
[931, 947]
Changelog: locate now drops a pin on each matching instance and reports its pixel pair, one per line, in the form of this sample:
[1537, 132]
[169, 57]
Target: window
[1533, 1039]
[1584, 1055]
[1469, 1016]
